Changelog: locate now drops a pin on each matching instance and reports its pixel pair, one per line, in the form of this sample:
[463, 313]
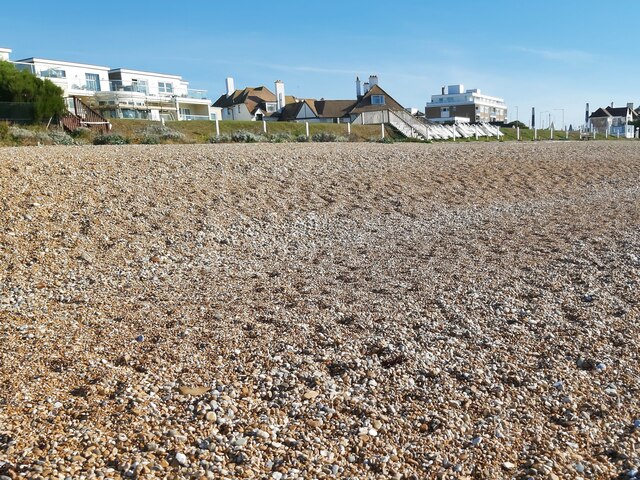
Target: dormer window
[377, 100]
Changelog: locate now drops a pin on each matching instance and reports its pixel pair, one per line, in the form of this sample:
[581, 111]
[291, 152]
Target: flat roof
[61, 63]
[142, 72]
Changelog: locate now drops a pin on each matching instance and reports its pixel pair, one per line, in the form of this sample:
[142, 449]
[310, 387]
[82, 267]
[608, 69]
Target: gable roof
[365, 105]
[613, 112]
[252, 97]
[319, 108]
[334, 108]
[600, 113]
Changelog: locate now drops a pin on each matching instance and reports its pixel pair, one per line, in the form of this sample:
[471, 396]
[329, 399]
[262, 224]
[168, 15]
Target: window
[271, 107]
[165, 87]
[139, 86]
[53, 73]
[93, 81]
[377, 99]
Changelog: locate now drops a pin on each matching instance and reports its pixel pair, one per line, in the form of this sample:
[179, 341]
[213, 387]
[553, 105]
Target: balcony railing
[199, 94]
[119, 86]
[194, 117]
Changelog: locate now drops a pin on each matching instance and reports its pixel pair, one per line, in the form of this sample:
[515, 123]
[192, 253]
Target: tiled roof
[365, 105]
[253, 98]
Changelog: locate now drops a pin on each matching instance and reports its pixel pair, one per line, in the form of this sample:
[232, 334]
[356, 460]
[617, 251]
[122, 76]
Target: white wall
[238, 112]
[179, 86]
[305, 113]
[74, 81]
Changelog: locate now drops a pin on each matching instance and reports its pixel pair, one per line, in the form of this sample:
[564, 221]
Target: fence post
[264, 126]
[475, 131]
[217, 127]
[551, 134]
[453, 129]
[382, 129]
[348, 128]
[518, 133]
[566, 133]
[306, 126]
[535, 134]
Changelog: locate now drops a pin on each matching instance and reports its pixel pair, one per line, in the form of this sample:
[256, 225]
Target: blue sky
[554, 55]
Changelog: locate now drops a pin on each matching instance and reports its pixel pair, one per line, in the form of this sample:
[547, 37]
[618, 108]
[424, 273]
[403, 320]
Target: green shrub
[219, 139]
[162, 132]
[61, 138]
[279, 137]
[24, 87]
[4, 130]
[324, 137]
[150, 140]
[302, 138]
[81, 132]
[113, 139]
[243, 136]
[22, 134]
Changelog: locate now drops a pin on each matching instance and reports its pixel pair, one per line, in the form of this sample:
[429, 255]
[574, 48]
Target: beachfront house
[153, 96]
[250, 103]
[78, 80]
[100, 92]
[616, 121]
[455, 104]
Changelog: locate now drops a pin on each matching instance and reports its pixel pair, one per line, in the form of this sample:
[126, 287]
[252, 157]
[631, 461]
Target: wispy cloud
[573, 56]
[305, 68]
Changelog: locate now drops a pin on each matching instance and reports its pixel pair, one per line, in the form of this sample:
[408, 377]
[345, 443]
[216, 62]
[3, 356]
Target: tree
[21, 86]
[514, 124]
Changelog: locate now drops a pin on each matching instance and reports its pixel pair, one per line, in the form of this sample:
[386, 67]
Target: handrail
[84, 116]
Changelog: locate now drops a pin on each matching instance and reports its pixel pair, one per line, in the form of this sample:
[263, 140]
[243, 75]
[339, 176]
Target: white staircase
[414, 127]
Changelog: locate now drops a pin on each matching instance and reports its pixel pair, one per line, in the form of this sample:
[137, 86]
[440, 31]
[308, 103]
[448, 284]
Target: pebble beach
[307, 311]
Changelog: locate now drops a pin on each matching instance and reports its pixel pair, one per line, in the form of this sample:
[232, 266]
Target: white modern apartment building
[154, 96]
[122, 93]
[460, 105]
[75, 79]
[5, 53]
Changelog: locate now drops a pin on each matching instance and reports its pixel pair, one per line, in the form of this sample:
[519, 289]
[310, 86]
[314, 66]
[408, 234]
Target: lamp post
[560, 110]
[540, 119]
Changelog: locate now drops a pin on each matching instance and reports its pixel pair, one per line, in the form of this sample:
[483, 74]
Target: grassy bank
[200, 131]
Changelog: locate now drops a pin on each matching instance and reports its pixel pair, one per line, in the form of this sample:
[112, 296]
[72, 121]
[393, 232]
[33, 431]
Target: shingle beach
[281, 311]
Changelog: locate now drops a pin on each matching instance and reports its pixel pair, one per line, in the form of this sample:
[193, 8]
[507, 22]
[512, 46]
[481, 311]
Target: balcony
[197, 94]
[138, 87]
[194, 117]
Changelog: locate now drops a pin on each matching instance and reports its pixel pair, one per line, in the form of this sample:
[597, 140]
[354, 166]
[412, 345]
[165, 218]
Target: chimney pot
[230, 86]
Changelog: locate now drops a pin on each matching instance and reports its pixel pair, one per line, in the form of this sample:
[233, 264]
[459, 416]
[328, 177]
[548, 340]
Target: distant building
[5, 53]
[250, 103]
[614, 120]
[154, 96]
[75, 79]
[370, 106]
[120, 93]
[460, 105]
